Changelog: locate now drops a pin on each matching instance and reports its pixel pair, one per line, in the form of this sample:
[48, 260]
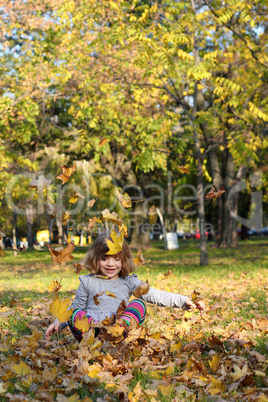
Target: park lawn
[224, 352]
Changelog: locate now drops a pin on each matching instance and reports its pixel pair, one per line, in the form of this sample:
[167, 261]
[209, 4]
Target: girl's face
[110, 265]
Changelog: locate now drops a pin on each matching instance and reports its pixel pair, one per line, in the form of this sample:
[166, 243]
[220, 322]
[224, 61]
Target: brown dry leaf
[66, 173]
[51, 209]
[214, 194]
[124, 200]
[2, 234]
[41, 183]
[95, 298]
[184, 169]
[103, 141]
[91, 203]
[139, 260]
[92, 222]
[78, 267]
[61, 256]
[112, 217]
[143, 289]
[54, 286]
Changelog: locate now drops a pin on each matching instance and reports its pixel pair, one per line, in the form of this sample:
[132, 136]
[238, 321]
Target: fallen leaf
[110, 294]
[214, 363]
[21, 368]
[139, 260]
[216, 386]
[66, 173]
[143, 289]
[60, 309]
[61, 256]
[41, 183]
[115, 245]
[95, 298]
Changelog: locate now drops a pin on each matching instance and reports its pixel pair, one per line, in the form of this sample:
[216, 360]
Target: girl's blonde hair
[99, 248]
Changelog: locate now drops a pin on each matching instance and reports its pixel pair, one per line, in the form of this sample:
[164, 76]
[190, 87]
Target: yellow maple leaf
[216, 386]
[116, 330]
[166, 389]
[214, 363]
[94, 371]
[116, 244]
[82, 324]
[59, 308]
[176, 347]
[21, 368]
[139, 260]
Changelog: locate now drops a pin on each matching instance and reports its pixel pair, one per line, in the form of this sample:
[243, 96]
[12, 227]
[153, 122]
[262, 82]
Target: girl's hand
[52, 329]
[199, 305]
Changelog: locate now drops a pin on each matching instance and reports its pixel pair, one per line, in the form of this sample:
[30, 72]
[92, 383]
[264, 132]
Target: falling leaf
[37, 247]
[51, 209]
[115, 246]
[125, 201]
[2, 235]
[78, 267]
[54, 286]
[139, 260]
[60, 309]
[66, 173]
[214, 363]
[20, 250]
[195, 296]
[82, 324]
[41, 183]
[143, 289]
[2, 252]
[103, 141]
[92, 222]
[91, 203]
[112, 217]
[65, 217]
[21, 368]
[110, 294]
[61, 256]
[124, 228]
[95, 298]
[184, 169]
[75, 197]
[214, 194]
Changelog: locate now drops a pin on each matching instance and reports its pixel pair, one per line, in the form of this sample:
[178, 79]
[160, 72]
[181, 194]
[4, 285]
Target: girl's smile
[110, 265]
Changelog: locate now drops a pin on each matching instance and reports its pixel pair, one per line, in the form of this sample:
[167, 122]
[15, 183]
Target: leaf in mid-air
[125, 201]
[95, 298]
[139, 260]
[143, 289]
[103, 141]
[91, 203]
[212, 194]
[60, 309]
[66, 173]
[112, 217]
[92, 222]
[115, 245]
[55, 286]
[75, 197]
[61, 256]
[110, 294]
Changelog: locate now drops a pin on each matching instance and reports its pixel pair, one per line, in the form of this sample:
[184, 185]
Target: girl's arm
[165, 299]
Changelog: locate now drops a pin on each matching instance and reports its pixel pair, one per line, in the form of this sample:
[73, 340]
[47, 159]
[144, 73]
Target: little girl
[110, 274]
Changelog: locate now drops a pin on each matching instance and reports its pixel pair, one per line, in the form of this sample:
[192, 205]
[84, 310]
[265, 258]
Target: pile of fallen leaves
[177, 355]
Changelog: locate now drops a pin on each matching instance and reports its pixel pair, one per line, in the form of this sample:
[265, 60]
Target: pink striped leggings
[136, 311]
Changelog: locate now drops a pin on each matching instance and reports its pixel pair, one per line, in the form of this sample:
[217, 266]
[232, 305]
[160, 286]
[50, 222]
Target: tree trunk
[14, 229]
[140, 237]
[29, 218]
[60, 232]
